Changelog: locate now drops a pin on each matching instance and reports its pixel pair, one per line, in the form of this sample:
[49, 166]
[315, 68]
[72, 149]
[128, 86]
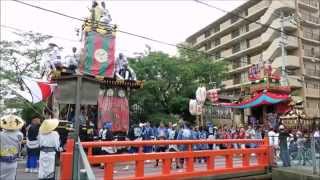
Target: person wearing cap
[283, 144]
[33, 148]
[49, 142]
[10, 145]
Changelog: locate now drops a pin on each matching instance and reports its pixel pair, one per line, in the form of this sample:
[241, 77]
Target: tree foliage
[171, 81]
[18, 58]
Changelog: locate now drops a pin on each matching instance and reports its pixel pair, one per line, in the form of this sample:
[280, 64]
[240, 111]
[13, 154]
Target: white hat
[48, 125]
[281, 127]
[11, 122]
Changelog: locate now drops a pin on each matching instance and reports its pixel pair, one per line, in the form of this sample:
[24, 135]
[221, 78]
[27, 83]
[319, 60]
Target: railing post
[210, 162]
[139, 168]
[66, 161]
[245, 159]
[229, 159]
[89, 151]
[108, 171]
[166, 167]
[140, 164]
[190, 159]
[259, 158]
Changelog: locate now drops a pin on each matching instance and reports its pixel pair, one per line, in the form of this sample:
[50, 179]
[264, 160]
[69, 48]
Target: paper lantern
[201, 95]
[193, 107]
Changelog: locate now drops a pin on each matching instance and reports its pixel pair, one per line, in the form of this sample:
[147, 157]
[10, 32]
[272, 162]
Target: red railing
[262, 154]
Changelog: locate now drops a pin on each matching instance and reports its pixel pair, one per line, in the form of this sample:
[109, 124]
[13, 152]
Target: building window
[217, 42]
[208, 46]
[216, 29]
[207, 34]
[234, 18]
[236, 48]
[217, 55]
[235, 33]
[245, 12]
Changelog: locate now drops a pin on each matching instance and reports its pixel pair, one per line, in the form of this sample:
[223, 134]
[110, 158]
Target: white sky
[167, 20]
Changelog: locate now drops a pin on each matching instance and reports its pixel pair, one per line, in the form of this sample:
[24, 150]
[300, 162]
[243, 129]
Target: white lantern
[201, 95]
[193, 106]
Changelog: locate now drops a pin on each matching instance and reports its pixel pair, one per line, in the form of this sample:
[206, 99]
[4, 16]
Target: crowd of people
[287, 144]
[41, 141]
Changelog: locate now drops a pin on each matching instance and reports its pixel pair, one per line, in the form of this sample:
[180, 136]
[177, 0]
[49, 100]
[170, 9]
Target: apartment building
[243, 42]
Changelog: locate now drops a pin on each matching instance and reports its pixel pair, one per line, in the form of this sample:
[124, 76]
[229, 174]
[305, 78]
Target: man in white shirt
[72, 61]
[121, 61]
[274, 143]
[53, 61]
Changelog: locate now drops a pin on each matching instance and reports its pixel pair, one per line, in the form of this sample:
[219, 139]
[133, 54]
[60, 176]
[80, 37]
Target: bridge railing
[261, 152]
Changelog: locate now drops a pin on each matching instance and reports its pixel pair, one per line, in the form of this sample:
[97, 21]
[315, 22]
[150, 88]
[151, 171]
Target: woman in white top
[10, 146]
[49, 145]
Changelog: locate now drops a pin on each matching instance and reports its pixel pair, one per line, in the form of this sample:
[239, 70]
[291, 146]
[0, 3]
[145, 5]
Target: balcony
[271, 34]
[248, 35]
[311, 53]
[239, 69]
[309, 4]
[274, 49]
[313, 93]
[232, 26]
[292, 62]
[294, 81]
[227, 82]
[312, 112]
[274, 8]
[311, 37]
[310, 18]
[312, 73]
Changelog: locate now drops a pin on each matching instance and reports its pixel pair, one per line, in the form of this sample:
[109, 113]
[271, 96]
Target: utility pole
[283, 43]
[76, 149]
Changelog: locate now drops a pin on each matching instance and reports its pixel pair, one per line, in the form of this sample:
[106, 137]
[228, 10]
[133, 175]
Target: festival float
[97, 87]
[264, 95]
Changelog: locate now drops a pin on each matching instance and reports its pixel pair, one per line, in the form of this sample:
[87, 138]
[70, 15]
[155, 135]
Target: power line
[121, 31]
[125, 32]
[21, 30]
[54, 36]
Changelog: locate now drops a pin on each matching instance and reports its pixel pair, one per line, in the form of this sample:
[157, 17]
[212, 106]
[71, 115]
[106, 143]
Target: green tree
[171, 81]
[18, 58]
